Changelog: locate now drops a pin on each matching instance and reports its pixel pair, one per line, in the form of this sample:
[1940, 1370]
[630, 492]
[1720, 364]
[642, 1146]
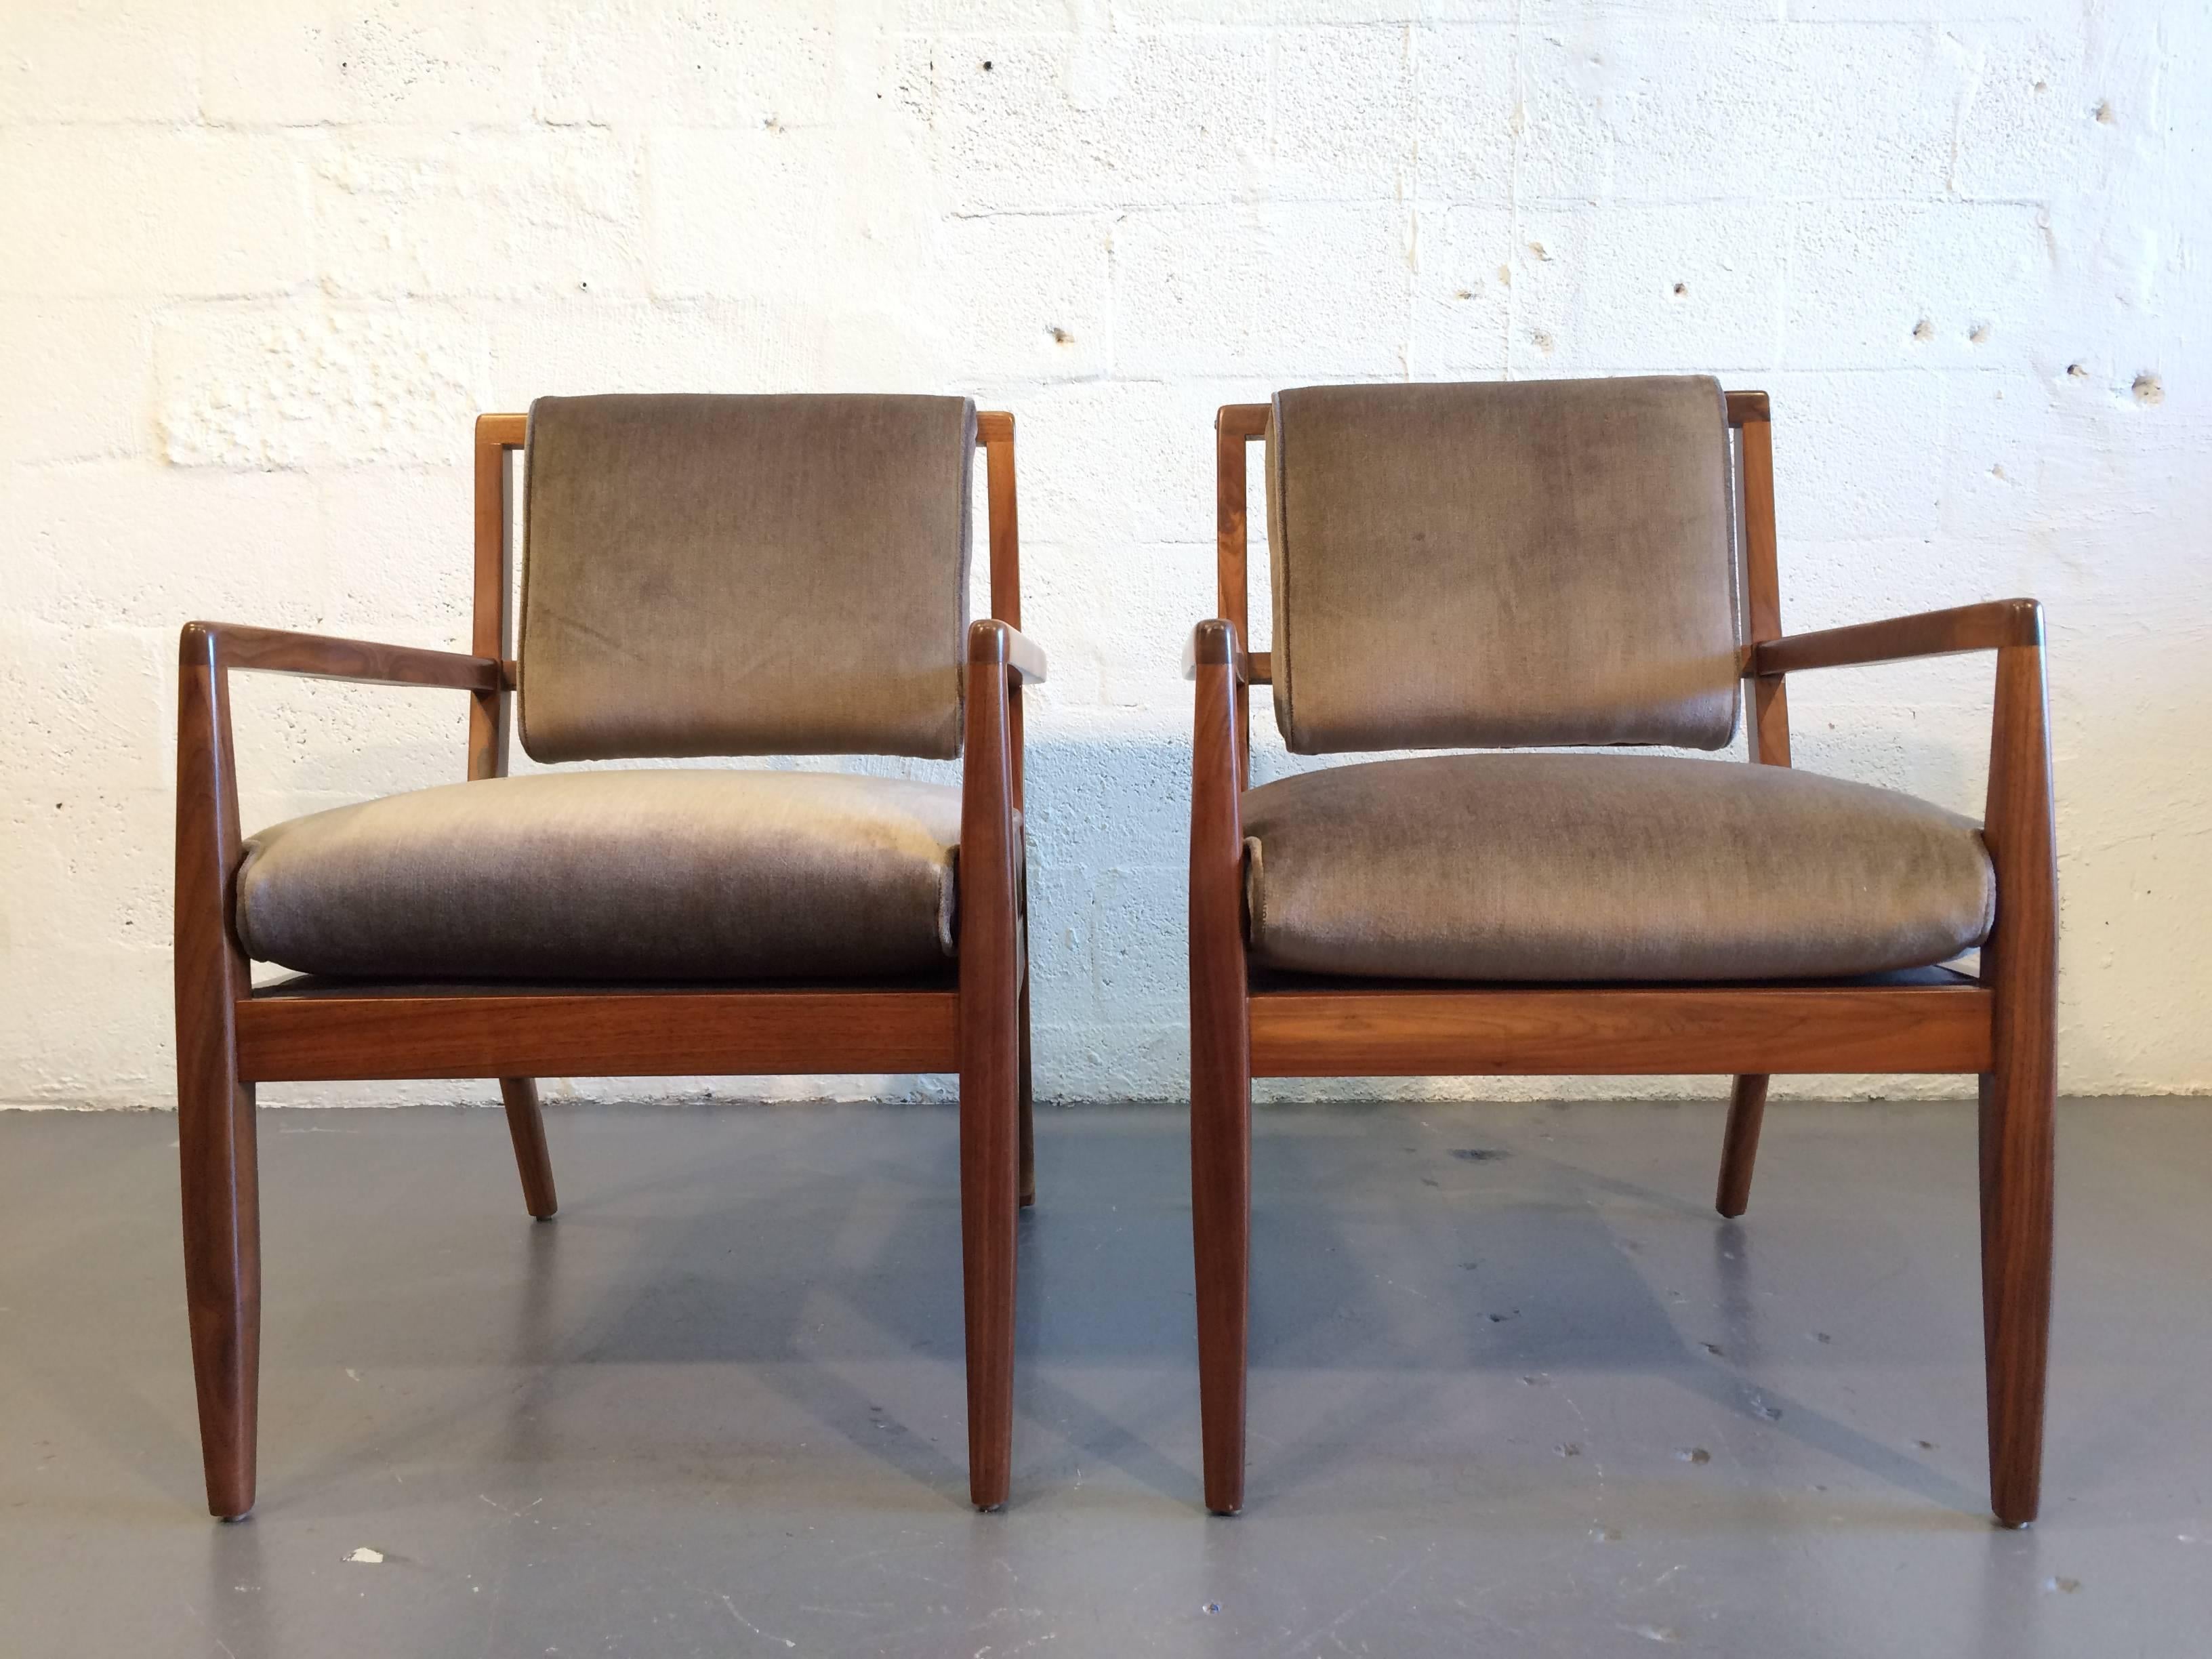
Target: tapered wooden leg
[216, 1144]
[1220, 1074]
[990, 1200]
[222, 1275]
[2016, 1132]
[990, 1069]
[2019, 1095]
[1221, 1228]
[526, 1122]
[1739, 1145]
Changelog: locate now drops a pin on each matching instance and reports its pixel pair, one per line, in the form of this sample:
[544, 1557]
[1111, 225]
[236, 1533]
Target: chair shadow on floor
[804, 1261]
[1549, 1289]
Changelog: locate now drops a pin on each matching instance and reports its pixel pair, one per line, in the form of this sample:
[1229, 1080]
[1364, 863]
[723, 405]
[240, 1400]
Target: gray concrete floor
[1514, 1389]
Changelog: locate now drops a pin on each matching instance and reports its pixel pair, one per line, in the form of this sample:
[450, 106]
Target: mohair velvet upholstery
[1501, 565]
[605, 875]
[744, 575]
[1599, 867]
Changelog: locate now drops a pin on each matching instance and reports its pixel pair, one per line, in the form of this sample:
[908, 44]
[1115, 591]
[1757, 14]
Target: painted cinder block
[267, 260]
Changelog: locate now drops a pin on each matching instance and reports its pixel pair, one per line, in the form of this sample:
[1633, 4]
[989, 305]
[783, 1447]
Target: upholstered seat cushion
[1589, 867]
[643, 875]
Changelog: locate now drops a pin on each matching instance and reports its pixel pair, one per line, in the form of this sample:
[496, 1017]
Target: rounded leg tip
[546, 1216]
[988, 1496]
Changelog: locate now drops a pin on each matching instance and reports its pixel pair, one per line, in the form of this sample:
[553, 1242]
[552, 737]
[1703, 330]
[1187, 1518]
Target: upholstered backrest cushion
[1515, 563]
[727, 575]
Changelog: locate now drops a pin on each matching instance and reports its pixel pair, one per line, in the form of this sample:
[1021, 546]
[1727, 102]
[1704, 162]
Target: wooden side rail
[1576, 1031]
[432, 1033]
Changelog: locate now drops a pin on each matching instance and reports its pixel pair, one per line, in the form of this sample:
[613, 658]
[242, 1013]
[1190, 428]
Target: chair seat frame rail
[232, 1036]
[1998, 1025]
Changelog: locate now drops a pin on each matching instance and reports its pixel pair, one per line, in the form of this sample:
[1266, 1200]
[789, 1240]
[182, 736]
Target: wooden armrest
[990, 640]
[1250, 667]
[1930, 634]
[318, 656]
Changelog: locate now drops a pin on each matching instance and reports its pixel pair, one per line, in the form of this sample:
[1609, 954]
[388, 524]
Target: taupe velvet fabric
[634, 875]
[757, 575]
[1503, 565]
[1590, 867]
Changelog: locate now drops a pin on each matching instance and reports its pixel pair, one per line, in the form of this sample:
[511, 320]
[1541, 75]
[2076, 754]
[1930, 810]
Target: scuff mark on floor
[752, 1626]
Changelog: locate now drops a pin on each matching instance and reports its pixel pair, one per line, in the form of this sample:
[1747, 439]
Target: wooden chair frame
[1999, 1025]
[231, 1036]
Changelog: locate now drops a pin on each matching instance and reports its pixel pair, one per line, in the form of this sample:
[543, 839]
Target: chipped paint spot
[367, 1556]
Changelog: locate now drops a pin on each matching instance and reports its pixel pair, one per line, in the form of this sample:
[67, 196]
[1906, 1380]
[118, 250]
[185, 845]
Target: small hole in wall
[1979, 333]
[2075, 371]
[1924, 329]
[2148, 389]
[1060, 336]
[1680, 289]
[987, 63]
[2104, 111]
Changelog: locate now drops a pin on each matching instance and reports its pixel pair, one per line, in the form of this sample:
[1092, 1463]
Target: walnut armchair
[1590, 563]
[701, 576]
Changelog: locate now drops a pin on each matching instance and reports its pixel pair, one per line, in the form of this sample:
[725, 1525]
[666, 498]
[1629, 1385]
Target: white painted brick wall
[265, 259]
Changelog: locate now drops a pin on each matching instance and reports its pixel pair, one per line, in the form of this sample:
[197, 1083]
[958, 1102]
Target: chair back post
[1235, 427]
[1767, 698]
[490, 711]
[496, 435]
[994, 436]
